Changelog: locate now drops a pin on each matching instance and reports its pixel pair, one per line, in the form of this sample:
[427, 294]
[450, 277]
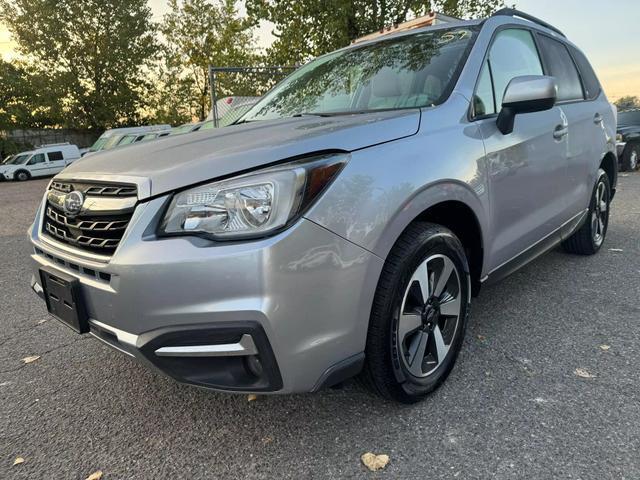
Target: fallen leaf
[605, 347]
[482, 338]
[40, 322]
[616, 250]
[30, 359]
[266, 440]
[581, 372]
[18, 461]
[95, 475]
[251, 398]
[374, 462]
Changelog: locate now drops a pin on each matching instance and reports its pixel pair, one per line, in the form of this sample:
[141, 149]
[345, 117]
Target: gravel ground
[512, 408]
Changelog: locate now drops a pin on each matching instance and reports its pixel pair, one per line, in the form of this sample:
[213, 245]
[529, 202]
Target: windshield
[19, 159]
[6, 160]
[99, 144]
[127, 139]
[186, 128]
[403, 72]
[629, 118]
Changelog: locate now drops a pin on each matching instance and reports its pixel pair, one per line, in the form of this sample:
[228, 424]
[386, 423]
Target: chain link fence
[234, 90]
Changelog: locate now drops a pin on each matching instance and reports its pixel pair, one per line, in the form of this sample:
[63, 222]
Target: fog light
[254, 365]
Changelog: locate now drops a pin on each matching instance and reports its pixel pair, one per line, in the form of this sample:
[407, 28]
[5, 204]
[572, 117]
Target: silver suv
[343, 225]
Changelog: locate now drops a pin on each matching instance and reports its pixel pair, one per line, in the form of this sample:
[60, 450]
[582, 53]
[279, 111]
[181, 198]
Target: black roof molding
[512, 12]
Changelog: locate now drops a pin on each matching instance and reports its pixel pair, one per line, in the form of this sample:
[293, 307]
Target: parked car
[43, 161]
[628, 139]
[344, 224]
[229, 109]
[127, 135]
[186, 128]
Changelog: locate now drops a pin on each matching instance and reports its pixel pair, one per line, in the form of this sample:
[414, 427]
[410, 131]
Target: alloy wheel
[429, 316]
[599, 217]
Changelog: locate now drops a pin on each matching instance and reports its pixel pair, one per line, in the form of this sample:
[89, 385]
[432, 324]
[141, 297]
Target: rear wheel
[591, 235]
[419, 314]
[22, 175]
[630, 157]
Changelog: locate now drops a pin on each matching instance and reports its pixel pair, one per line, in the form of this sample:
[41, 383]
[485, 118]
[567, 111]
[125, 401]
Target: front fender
[384, 188]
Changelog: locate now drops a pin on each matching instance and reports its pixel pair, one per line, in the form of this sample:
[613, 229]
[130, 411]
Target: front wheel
[419, 314]
[590, 237]
[22, 176]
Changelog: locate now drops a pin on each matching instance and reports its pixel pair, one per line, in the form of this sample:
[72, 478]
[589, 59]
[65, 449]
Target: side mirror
[526, 94]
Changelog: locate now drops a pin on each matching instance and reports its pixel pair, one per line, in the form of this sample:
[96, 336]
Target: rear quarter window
[55, 156]
[589, 79]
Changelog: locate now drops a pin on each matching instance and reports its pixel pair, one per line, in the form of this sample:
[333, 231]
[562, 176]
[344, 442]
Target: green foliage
[87, 58]
[196, 34]
[332, 24]
[14, 95]
[627, 103]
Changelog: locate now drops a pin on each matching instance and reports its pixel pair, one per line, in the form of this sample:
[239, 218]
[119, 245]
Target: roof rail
[512, 12]
[44, 145]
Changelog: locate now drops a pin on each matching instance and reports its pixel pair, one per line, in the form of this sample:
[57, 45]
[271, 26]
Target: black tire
[630, 157]
[585, 241]
[21, 176]
[385, 372]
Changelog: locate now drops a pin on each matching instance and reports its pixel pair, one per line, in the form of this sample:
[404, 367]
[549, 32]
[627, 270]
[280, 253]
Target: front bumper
[303, 296]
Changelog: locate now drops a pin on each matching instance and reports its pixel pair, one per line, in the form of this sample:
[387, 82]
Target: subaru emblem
[73, 202]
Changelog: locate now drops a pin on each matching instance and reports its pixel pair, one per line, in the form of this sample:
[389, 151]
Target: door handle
[560, 132]
[597, 119]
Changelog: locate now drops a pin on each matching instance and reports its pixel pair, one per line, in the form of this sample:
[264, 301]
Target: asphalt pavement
[547, 386]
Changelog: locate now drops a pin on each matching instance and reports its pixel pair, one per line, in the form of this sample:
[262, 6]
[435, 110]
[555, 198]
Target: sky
[606, 31]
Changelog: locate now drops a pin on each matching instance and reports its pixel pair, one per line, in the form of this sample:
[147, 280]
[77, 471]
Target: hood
[177, 161]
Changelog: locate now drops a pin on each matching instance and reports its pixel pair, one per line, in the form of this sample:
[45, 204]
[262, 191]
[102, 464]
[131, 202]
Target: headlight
[251, 205]
[619, 137]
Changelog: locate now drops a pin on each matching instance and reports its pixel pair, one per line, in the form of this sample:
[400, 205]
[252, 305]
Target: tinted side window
[561, 66]
[55, 156]
[512, 54]
[589, 78]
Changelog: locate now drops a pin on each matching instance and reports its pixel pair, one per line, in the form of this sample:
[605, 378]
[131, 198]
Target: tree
[199, 33]
[332, 24]
[627, 103]
[89, 56]
[14, 92]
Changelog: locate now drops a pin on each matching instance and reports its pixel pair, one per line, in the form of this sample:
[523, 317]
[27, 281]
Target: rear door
[579, 97]
[527, 168]
[56, 162]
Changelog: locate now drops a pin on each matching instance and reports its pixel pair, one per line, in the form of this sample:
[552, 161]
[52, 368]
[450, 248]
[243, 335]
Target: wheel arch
[454, 206]
[609, 164]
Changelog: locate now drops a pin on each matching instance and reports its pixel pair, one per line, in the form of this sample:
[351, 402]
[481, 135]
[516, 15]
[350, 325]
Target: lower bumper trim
[244, 347]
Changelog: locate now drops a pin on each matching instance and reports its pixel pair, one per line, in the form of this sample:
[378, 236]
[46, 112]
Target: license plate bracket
[64, 299]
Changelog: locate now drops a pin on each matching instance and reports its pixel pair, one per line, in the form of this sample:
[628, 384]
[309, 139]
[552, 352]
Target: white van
[125, 136]
[43, 161]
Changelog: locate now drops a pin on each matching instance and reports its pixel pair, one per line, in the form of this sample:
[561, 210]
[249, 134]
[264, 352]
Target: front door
[527, 168]
[37, 165]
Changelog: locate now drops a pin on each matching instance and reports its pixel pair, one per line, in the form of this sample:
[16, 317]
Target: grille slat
[96, 232]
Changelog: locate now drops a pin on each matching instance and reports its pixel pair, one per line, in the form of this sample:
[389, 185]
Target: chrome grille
[101, 223]
[96, 190]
